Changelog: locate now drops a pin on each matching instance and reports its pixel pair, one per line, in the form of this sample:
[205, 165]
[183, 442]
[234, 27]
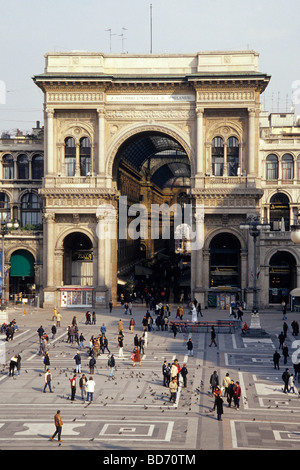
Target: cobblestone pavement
[132, 410]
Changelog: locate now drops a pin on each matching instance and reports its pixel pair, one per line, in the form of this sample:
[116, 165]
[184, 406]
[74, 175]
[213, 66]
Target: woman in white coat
[90, 388]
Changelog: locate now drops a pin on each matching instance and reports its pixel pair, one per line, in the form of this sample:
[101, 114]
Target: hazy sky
[30, 28]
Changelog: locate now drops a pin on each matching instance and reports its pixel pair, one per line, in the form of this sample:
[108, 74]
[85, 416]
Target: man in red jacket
[237, 395]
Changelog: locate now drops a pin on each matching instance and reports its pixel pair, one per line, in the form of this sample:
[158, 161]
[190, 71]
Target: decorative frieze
[75, 97]
[142, 114]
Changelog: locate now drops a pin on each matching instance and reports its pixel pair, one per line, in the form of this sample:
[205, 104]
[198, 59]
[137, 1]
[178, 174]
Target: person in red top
[245, 328]
[237, 395]
[73, 387]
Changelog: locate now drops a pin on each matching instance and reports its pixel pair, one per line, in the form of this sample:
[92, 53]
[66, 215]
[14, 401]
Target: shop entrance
[282, 276]
[21, 277]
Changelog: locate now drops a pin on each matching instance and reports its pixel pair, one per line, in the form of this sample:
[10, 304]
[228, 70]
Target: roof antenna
[110, 35]
[150, 28]
[123, 38]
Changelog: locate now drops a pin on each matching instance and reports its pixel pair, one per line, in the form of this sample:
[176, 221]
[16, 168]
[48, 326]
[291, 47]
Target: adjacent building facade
[152, 130]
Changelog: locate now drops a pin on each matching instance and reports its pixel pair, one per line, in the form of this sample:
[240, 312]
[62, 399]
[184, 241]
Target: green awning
[22, 264]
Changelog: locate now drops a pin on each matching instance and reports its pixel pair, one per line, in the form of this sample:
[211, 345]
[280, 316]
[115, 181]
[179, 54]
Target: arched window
[287, 167]
[217, 156]
[4, 207]
[298, 168]
[31, 211]
[70, 156]
[272, 167]
[37, 167]
[232, 156]
[8, 167]
[85, 156]
[280, 212]
[23, 167]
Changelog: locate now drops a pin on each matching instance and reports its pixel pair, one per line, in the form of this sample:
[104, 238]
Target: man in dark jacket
[276, 357]
[285, 377]
[214, 381]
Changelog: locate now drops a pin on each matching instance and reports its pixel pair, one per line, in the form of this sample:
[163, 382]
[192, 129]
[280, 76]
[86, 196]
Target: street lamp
[254, 226]
[4, 229]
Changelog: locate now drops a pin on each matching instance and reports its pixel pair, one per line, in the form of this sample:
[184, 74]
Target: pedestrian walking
[82, 386]
[285, 377]
[12, 365]
[136, 357]
[93, 318]
[184, 372]
[212, 336]
[237, 395]
[73, 387]
[276, 357]
[88, 318]
[81, 340]
[110, 306]
[166, 369]
[131, 325]
[58, 319]
[231, 391]
[281, 339]
[141, 345]
[53, 331]
[216, 393]
[214, 381]
[104, 344]
[77, 359]
[111, 363]
[46, 360]
[285, 353]
[54, 314]
[19, 364]
[190, 347]
[219, 407]
[291, 384]
[90, 389]
[283, 306]
[174, 329]
[226, 383]
[92, 364]
[121, 345]
[173, 389]
[58, 425]
[120, 326]
[48, 379]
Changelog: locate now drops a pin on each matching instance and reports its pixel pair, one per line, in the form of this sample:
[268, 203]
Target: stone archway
[151, 167]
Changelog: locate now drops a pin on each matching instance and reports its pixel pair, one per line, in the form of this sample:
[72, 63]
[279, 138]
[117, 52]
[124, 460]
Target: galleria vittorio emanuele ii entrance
[156, 132]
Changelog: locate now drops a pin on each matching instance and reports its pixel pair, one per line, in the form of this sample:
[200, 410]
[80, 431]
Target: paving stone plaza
[132, 411]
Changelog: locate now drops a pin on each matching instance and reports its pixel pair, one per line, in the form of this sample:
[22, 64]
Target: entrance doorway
[78, 260]
[282, 276]
[225, 279]
[21, 276]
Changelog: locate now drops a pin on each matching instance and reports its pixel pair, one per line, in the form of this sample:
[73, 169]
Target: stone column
[101, 141]
[200, 156]
[77, 161]
[49, 248]
[50, 148]
[225, 167]
[251, 141]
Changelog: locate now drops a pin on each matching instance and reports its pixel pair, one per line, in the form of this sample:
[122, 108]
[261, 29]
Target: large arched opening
[152, 168]
[224, 271]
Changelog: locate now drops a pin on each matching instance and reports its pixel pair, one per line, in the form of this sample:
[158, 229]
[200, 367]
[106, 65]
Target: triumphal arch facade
[156, 129]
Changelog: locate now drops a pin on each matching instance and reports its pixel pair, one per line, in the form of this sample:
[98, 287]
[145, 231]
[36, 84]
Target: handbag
[132, 356]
